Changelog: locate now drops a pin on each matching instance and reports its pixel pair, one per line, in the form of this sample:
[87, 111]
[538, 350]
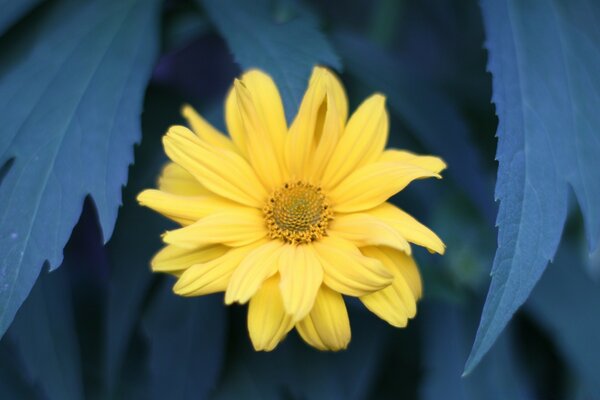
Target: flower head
[290, 220]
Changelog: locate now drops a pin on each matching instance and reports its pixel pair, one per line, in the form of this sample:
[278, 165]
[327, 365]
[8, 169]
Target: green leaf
[12, 11]
[566, 304]
[71, 85]
[287, 49]
[544, 58]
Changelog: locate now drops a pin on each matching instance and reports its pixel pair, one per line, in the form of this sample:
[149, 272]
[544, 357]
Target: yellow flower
[291, 220]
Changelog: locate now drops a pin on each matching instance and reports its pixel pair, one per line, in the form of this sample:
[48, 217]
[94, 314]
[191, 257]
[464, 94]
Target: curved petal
[205, 130]
[174, 179]
[373, 184]
[411, 229]
[347, 271]
[327, 131]
[267, 321]
[235, 126]
[173, 259]
[212, 276]
[365, 230]
[406, 266]
[327, 327]
[396, 303]
[301, 276]
[264, 136]
[363, 141]
[300, 140]
[430, 163]
[232, 228]
[258, 266]
[184, 209]
[223, 172]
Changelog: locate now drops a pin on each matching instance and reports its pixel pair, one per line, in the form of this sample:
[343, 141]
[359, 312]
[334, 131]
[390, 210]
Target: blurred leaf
[45, 337]
[287, 49]
[566, 304]
[71, 87]
[13, 10]
[295, 370]
[447, 336]
[544, 57]
[181, 27]
[187, 343]
[13, 384]
[430, 117]
[137, 235]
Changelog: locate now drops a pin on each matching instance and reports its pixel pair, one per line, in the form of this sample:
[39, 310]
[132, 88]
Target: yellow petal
[173, 259]
[301, 276]
[300, 140]
[174, 179]
[327, 132]
[258, 266]
[212, 276]
[205, 130]
[371, 185]
[221, 171]
[235, 125]
[396, 303]
[327, 327]
[407, 267]
[264, 146]
[337, 93]
[232, 228]
[363, 141]
[430, 163]
[184, 209]
[269, 107]
[365, 230]
[414, 231]
[347, 271]
[267, 321]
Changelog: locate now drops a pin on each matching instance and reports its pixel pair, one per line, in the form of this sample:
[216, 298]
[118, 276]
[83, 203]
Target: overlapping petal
[185, 209]
[411, 229]
[205, 130]
[362, 142]
[349, 272]
[212, 276]
[173, 259]
[301, 276]
[397, 302]
[232, 228]
[174, 179]
[327, 327]
[268, 323]
[373, 184]
[221, 171]
[259, 265]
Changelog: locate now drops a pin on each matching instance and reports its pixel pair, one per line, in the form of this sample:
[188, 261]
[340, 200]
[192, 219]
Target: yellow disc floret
[298, 213]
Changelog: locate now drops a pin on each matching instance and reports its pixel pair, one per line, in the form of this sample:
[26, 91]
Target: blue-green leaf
[71, 86]
[544, 57]
[187, 339]
[46, 340]
[431, 117]
[12, 11]
[566, 304]
[287, 50]
[499, 377]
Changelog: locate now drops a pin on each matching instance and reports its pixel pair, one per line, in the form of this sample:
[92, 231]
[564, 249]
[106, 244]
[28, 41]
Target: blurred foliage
[72, 81]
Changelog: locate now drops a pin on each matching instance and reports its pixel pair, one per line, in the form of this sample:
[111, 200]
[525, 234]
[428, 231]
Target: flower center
[297, 213]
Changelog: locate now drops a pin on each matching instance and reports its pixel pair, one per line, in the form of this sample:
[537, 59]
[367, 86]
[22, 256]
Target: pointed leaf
[71, 85]
[544, 58]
